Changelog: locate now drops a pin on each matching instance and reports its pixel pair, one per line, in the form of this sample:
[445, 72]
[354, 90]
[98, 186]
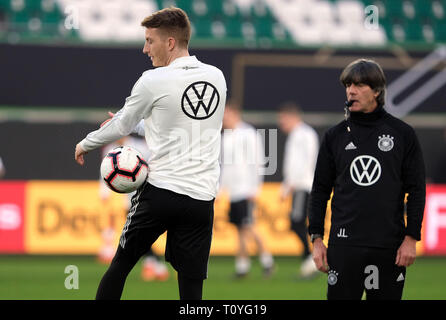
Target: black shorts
[240, 212]
[188, 223]
[355, 269]
[298, 214]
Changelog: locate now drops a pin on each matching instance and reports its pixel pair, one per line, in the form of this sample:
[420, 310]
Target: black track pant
[355, 269]
[188, 223]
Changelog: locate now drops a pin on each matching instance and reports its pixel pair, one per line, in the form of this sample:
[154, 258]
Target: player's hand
[79, 154]
[284, 196]
[407, 252]
[285, 193]
[105, 199]
[111, 114]
[320, 255]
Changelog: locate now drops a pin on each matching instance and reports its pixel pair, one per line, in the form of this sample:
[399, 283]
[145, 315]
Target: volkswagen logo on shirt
[200, 100]
[365, 170]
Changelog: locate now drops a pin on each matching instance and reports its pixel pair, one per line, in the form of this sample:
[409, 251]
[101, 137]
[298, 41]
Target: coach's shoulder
[332, 135]
[403, 130]
[399, 125]
[337, 129]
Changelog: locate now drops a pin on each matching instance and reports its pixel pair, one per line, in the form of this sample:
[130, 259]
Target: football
[124, 169]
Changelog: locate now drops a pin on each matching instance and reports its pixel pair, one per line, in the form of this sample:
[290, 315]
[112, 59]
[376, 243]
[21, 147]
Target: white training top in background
[301, 150]
[242, 162]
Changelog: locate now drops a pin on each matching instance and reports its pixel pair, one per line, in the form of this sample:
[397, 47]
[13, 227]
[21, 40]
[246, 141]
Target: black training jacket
[369, 170]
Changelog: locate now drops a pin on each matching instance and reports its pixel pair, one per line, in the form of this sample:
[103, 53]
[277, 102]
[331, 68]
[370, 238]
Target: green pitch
[44, 277]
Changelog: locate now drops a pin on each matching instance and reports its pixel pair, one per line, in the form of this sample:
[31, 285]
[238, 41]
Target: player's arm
[136, 107]
[324, 177]
[414, 184]
[224, 178]
[258, 170]
[139, 129]
[285, 187]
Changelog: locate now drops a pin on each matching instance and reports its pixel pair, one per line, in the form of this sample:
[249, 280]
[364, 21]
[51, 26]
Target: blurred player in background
[242, 177]
[301, 149]
[2, 169]
[369, 162]
[152, 267]
[179, 108]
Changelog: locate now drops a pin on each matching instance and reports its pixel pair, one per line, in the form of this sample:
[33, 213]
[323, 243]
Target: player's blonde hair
[173, 21]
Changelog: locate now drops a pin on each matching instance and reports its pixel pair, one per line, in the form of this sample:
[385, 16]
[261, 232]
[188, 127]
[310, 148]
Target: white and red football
[124, 169]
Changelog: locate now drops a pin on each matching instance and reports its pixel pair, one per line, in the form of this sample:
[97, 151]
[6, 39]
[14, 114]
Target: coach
[370, 161]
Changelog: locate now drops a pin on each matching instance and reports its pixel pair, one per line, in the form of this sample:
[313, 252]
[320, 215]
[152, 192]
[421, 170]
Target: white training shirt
[301, 150]
[242, 162]
[181, 107]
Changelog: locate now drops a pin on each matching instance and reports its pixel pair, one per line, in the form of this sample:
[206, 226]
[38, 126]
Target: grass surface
[43, 277]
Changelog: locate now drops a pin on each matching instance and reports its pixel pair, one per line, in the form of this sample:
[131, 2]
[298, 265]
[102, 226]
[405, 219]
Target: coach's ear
[378, 91]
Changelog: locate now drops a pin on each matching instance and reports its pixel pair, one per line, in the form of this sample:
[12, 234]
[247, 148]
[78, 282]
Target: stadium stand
[258, 22]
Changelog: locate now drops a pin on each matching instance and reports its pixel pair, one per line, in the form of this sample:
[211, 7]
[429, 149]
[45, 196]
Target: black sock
[112, 283]
[190, 289]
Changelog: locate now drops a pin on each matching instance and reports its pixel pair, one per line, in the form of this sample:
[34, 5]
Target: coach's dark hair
[173, 21]
[367, 72]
